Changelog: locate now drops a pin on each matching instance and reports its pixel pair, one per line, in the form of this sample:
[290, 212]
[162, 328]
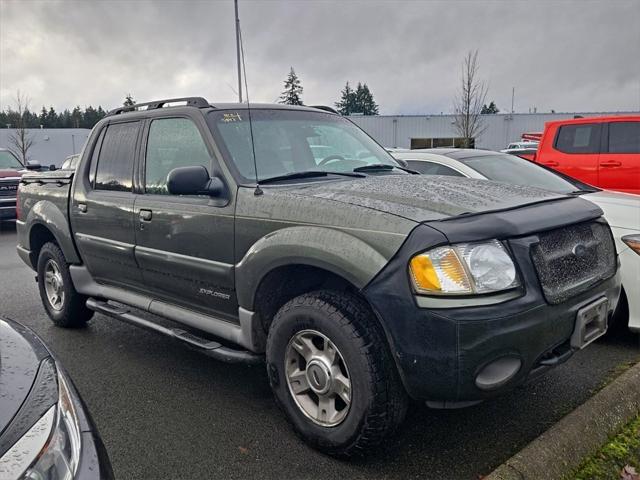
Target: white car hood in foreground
[621, 210]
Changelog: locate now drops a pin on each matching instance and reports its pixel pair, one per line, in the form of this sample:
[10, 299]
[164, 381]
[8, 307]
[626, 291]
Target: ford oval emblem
[579, 250]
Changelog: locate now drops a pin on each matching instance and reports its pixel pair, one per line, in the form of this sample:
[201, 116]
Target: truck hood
[424, 198]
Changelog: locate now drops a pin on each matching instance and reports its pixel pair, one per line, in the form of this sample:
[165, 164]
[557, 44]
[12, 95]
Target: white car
[520, 146]
[622, 210]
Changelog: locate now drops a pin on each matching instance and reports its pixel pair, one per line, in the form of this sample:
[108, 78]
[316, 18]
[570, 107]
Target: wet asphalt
[165, 411]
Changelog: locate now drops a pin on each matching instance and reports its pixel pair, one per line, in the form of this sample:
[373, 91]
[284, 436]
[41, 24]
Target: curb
[579, 434]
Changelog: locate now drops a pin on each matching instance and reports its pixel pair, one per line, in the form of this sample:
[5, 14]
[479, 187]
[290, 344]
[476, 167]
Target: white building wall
[51, 145]
[397, 130]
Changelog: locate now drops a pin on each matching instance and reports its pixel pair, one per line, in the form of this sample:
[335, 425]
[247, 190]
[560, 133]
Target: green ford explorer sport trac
[287, 235]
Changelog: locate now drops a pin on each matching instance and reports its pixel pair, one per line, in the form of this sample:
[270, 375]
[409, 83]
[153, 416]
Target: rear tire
[64, 305]
[302, 333]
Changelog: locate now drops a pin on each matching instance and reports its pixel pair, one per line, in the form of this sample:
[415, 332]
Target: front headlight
[59, 458]
[633, 241]
[50, 450]
[464, 269]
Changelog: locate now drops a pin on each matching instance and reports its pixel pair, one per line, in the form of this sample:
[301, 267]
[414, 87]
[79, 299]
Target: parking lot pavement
[165, 411]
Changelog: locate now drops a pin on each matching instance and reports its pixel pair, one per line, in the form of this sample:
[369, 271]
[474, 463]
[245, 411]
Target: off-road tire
[73, 312]
[378, 402]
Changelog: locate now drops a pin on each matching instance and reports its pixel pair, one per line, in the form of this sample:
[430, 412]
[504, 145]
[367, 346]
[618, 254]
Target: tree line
[49, 118]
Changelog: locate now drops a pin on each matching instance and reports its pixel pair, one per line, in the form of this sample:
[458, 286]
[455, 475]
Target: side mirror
[52, 167]
[403, 163]
[193, 181]
[32, 165]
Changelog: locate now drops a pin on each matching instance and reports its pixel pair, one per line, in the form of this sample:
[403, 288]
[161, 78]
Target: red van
[602, 151]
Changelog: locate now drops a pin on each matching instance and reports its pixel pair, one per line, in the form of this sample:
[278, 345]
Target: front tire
[331, 372]
[64, 305]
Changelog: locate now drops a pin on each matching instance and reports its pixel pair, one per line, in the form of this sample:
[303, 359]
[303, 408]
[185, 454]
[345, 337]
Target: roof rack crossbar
[198, 102]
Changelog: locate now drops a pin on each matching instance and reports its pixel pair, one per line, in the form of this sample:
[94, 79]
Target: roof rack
[325, 108]
[198, 102]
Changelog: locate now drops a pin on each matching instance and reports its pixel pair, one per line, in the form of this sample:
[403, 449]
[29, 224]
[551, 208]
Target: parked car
[360, 282]
[601, 151]
[11, 169]
[46, 431]
[71, 162]
[520, 146]
[621, 210]
[522, 149]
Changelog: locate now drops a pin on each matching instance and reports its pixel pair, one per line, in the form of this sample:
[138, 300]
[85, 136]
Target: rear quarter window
[581, 138]
[624, 137]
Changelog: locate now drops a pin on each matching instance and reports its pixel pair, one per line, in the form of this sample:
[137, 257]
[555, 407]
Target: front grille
[8, 188]
[571, 260]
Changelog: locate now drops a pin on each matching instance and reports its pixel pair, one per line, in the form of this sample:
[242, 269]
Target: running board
[208, 347]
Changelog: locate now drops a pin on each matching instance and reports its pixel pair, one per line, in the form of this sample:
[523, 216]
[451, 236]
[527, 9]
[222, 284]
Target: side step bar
[208, 347]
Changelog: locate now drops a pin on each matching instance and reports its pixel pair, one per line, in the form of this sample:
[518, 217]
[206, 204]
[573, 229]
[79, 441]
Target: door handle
[82, 207]
[552, 163]
[145, 215]
[611, 164]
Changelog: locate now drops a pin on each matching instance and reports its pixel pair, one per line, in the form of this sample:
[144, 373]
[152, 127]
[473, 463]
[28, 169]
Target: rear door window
[624, 137]
[172, 143]
[116, 157]
[582, 138]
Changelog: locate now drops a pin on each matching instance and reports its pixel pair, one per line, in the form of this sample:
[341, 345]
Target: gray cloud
[562, 55]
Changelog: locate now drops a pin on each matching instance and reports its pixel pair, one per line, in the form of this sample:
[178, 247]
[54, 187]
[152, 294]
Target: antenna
[238, 51]
[258, 190]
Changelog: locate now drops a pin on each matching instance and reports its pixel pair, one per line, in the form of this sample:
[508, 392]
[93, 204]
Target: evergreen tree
[364, 102]
[31, 119]
[52, 119]
[292, 94]
[347, 103]
[64, 121]
[128, 101]
[76, 118]
[90, 117]
[488, 109]
[43, 117]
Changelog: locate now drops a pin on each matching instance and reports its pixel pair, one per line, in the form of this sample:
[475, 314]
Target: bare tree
[20, 141]
[469, 101]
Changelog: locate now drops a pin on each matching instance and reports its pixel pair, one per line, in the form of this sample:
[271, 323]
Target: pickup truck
[11, 169]
[10, 172]
[601, 151]
[360, 283]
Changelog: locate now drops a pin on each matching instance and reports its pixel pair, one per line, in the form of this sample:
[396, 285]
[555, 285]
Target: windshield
[293, 141]
[516, 170]
[7, 160]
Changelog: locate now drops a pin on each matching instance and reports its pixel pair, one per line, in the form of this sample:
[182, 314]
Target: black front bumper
[441, 347]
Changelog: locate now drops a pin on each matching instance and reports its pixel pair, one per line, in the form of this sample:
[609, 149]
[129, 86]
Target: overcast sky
[561, 55]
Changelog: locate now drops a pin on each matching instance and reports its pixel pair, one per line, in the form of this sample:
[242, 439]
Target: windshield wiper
[384, 167]
[307, 174]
